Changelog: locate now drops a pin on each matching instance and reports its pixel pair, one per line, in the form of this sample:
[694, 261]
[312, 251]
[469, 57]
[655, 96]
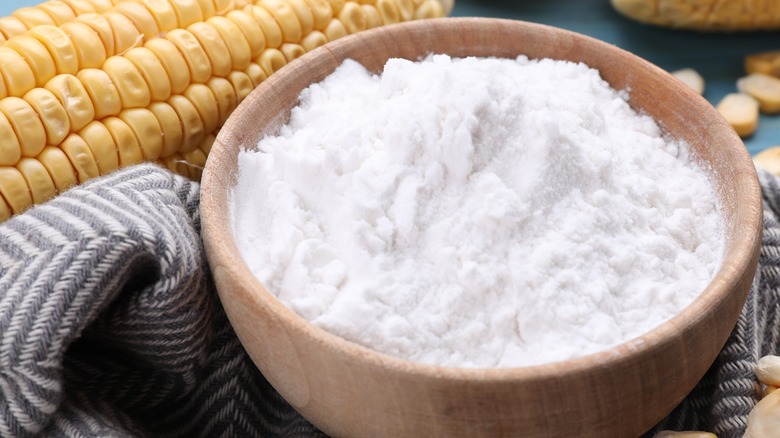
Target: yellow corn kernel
[197, 60]
[31, 16]
[406, 9]
[38, 180]
[102, 27]
[271, 29]
[147, 131]
[321, 12]
[90, 51]
[102, 6]
[5, 210]
[242, 84]
[163, 13]
[764, 88]
[125, 140]
[196, 160]
[741, 111]
[59, 11]
[126, 35]
[225, 94]
[288, 21]
[353, 17]
[335, 30]
[172, 133]
[187, 12]
[304, 14]
[74, 98]
[11, 26]
[214, 46]
[429, 9]
[337, 6]
[15, 71]
[691, 78]
[102, 92]
[271, 60]
[221, 7]
[292, 51]
[192, 125]
[26, 124]
[176, 163]
[256, 74]
[10, 149]
[205, 103]
[13, 189]
[80, 7]
[173, 62]
[205, 145]
[250, 29]
[767, 63]
[80, 156]
[207, 7]
[236, 43]
[132, 88]
[313, 40]
[100, 142]
[59, 46]
[768, 159]
[152, 71]
[51, 112]
[373, 17]
[389, 12]
[58, 165]
[141, 18]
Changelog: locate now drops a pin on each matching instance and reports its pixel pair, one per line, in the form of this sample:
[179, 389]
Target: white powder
[476, 212]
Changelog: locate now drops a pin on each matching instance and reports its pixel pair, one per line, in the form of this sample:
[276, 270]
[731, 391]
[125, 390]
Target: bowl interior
[291, 353]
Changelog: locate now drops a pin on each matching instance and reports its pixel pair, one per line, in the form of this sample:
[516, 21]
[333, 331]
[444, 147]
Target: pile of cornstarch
[476, 212]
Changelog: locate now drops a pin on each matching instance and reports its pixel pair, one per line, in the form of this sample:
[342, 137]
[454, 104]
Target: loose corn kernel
[38, 180]
[74, 98]
[763, 420]
[15, 72]
[768, 370]
[767, 63]
[100, 142]
[52, 114]
[58, 165]
[194, 54]
[26, 124]
[764, 88]
[741, 111]
[691, 78]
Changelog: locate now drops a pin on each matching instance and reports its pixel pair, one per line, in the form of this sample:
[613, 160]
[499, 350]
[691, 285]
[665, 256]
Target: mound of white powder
[476, 212]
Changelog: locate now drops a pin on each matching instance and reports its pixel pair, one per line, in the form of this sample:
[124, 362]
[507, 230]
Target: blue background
[718, 57]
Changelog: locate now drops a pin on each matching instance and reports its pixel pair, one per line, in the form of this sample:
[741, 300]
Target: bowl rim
[745, 246]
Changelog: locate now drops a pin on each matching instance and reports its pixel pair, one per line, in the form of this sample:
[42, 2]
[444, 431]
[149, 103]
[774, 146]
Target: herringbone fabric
[110, 325]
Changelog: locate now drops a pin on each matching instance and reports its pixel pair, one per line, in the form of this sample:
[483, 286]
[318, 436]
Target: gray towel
[110, 324]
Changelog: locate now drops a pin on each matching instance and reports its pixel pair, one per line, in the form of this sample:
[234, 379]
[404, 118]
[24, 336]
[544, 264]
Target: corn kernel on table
[110, 326]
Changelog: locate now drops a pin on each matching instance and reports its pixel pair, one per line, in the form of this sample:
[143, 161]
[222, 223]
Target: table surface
[717, 57]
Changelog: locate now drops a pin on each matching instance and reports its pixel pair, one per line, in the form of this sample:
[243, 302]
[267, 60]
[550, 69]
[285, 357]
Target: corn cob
[704, 15]
[117, 82]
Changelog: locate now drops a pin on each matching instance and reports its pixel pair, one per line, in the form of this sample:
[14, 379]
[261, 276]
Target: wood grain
[348, 390]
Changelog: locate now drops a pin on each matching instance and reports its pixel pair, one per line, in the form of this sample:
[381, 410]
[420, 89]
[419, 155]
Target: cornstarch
[476, 212]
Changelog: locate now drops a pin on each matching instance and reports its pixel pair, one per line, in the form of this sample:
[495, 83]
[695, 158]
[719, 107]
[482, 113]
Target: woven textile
[110, 324]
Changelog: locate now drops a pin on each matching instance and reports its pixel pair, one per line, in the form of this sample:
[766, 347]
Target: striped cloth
[110, 325]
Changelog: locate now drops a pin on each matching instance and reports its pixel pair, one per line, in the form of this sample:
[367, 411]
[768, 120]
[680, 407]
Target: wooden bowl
[348, 390]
